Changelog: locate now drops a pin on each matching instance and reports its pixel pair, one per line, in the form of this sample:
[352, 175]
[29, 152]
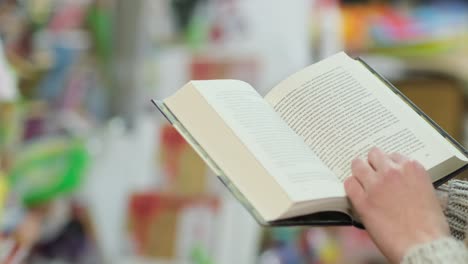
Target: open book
[285, 156]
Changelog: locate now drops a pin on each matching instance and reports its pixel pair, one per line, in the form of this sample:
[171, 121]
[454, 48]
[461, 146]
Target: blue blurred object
[51, 87]
[423, 24]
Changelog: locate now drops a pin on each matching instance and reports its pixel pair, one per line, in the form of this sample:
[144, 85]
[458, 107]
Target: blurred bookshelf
[76, 78]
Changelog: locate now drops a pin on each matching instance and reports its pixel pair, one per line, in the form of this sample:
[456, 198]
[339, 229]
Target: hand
[395, 200]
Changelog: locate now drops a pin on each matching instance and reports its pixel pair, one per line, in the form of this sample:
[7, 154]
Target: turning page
[341, 110]
[281, 152]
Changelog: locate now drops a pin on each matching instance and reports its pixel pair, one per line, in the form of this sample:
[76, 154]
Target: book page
[341, 110]
[281, 152]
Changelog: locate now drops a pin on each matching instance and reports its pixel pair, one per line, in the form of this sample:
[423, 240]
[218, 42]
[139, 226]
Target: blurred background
[91, 173]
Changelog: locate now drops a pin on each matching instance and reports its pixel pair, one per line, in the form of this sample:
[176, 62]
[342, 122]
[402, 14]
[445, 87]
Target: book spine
[210, 162]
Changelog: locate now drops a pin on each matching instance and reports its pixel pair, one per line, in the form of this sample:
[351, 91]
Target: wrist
[444, 250]
[423, 236]
[443, 196]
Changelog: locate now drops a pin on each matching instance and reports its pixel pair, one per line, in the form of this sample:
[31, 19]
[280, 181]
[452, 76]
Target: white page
[282, 153]
[341, 111]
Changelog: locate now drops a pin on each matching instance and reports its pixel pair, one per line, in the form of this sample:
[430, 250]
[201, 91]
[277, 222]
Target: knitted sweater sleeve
[456, 208]
[443, 251]
[454, 198]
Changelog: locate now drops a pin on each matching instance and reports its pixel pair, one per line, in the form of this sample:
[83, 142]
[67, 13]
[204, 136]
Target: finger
[398, 158]
[415, 170]
[378, 159]
[355, 193]
[363, 172]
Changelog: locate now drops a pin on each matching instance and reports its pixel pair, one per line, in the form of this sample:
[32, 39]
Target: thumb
[355, 193]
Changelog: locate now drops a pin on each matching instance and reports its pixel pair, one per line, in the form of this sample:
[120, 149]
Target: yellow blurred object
[357, 21]
[330, 252]
[39, 10]
[441, 97]
[3, 192]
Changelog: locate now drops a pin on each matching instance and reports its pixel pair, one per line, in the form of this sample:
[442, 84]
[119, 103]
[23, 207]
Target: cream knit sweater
[450, 250]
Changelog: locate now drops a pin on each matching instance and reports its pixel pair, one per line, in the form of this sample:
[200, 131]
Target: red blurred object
[154, 220]
[173, 144]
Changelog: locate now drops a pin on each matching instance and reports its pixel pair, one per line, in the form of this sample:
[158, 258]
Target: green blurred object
[183, 10]
[197, 33]
[420, 49]
[99, 21]
[199, 256]
[285, 233]
[47, 169]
